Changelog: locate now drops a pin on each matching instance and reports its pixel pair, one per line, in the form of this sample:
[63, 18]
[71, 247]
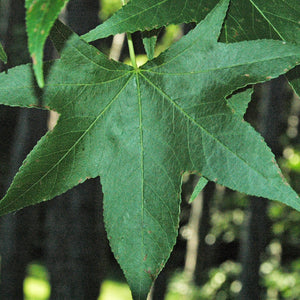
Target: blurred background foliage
[215, 267]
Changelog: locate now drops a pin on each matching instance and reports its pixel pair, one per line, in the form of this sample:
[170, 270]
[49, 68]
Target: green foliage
[36, 284]
[3, 56]
[140, 129]
[109, 7]
[265, 21]
[198, 188]
[40, 17]
[149, 41]
[247, 20]
[221, 284]
[140, 15]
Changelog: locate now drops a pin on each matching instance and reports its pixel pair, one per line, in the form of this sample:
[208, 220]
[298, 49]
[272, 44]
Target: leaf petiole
[131, 50]
[130, 45]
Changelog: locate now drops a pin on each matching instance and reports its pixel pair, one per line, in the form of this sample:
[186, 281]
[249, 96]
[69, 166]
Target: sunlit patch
[111, 290]
[36, 285]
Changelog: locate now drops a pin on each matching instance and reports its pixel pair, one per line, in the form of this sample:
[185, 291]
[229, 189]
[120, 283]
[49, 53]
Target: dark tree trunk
[13, 39]
[204, 254]
[76, 245]
[82, 15]
[20, 233]
[253, 245]
[257, 231]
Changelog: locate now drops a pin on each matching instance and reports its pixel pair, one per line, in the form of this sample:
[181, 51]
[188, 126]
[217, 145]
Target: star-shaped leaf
[40, 17]
[140, 129]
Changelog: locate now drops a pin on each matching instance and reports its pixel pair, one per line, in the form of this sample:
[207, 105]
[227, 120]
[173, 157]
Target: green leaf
[247, 20]
[238, 102]
[40, 17]
[3, 56]
[257, 19]
[294, 79]
[140, 15]
[149, 41]
[140, 129]
[149, 44]
[202, 182]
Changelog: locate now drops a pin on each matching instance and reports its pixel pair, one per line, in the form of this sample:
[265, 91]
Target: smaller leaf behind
[238, 102]
[202, 182]
[149, 41]
[3, 56]
[40, 16]
[259, 19]
[294, 79]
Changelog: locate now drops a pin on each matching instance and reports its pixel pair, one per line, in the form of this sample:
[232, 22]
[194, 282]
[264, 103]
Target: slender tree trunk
[82, 15]
[257, 231]
[203, 253]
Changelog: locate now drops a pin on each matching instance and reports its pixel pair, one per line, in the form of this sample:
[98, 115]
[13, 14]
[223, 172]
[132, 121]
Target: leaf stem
[130, 45]
[131, 50]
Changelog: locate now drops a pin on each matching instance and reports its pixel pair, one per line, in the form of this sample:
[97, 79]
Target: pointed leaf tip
[40, 16]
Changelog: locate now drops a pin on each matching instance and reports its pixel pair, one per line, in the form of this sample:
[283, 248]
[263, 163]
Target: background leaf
[239, 101]
[202, 182]
[149, 41]
[140, 15]
[258, 19]
[3, 56]
[294, 79]
[40, 17]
